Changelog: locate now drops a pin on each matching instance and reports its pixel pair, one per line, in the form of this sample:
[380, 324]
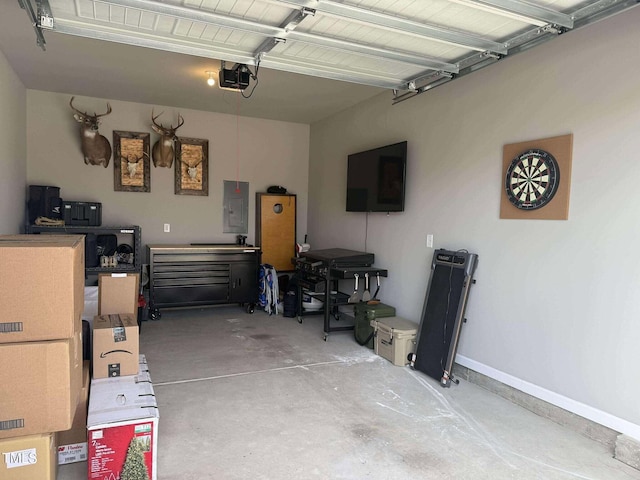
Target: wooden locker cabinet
[276, 229]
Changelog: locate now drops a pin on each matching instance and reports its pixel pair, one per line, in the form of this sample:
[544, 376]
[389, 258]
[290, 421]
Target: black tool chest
[320, 271]
[202, 274]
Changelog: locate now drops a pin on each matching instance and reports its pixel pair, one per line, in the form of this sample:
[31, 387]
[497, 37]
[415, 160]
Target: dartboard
[532, 179]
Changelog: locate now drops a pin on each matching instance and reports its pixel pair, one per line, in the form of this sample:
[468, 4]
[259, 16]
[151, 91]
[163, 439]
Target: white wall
[269, 153]
[13, 152]
[556, 309]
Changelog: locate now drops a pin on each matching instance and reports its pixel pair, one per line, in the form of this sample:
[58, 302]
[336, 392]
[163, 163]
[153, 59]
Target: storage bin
[395, 338]
[44, 201]
[82, 213]
[364, 313]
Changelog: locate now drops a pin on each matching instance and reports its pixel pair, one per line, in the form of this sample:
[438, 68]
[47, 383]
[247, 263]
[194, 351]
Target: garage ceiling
[405, 46]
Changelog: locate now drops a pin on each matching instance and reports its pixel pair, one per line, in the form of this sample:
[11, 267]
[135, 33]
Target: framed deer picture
[131, 165]
[192, 166]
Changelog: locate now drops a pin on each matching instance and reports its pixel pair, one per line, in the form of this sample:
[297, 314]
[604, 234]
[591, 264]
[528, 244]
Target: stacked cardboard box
[28, 457]
[122, 420]
[42, 280]
[115, 292]
[115, 328]
[123, 426]
[72, 443]
[115, 345]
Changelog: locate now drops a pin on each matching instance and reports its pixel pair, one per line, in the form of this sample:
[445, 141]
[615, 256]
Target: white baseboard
[573, 406]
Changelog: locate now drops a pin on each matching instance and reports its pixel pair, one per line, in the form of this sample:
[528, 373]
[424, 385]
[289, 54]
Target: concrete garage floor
[262, 397]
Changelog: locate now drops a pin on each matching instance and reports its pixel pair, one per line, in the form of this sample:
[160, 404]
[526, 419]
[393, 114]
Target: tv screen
[376, 179]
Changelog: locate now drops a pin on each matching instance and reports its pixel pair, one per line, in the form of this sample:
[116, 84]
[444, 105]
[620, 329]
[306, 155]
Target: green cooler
[364, 313]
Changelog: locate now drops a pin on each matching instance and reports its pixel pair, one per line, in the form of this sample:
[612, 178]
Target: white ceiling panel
[408, 46]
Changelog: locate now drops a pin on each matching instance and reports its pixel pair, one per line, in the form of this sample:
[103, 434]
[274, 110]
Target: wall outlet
[167, 228]
[429, 241]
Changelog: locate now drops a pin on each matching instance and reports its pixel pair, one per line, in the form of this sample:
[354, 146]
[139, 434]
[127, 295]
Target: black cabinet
[243, 281]
[200, 275]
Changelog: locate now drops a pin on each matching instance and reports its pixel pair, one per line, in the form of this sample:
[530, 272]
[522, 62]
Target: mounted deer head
[95, 147]
[163, 152]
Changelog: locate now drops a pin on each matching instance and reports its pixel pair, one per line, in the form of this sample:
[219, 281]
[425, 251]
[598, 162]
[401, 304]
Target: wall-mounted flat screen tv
[376, 179]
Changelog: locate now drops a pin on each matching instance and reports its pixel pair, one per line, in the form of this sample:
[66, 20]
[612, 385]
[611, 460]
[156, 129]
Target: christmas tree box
[122, 428]
[142, 362]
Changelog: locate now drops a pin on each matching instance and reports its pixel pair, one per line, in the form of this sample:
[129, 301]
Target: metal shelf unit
[132, 234]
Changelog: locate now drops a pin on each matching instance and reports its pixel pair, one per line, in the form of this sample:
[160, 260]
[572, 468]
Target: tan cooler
[395, 338]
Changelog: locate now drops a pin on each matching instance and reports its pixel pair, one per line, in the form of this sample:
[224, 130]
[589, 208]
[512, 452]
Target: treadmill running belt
[439, 320]
[443, 313]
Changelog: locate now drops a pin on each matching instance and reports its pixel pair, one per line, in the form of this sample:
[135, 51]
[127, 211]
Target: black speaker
[107, 244]
[91, 258]
[443, 313]
[44, 201]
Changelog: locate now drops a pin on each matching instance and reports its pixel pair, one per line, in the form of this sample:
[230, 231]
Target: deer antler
[180, 122]
[153, 119]
[189, 165]
[85, 114]
[103, 114]
[162, 127]
[74, 108]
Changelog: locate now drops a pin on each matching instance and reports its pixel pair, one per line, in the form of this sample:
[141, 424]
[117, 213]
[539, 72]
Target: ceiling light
[211, 81]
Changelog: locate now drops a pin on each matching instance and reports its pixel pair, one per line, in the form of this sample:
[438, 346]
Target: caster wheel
[325, 337]
[250, 308]
[155, 314]
[300, 320]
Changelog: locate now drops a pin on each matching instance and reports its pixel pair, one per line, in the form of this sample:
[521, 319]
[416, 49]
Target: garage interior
[545, 388]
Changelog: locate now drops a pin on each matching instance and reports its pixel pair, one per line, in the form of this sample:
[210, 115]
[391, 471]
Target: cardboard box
[72, 443]
[122, 426]
[395, 338]
[115, 345]
[28, 458]
[41, 382]
[118, 293]
[42, 280]
[143, 366]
